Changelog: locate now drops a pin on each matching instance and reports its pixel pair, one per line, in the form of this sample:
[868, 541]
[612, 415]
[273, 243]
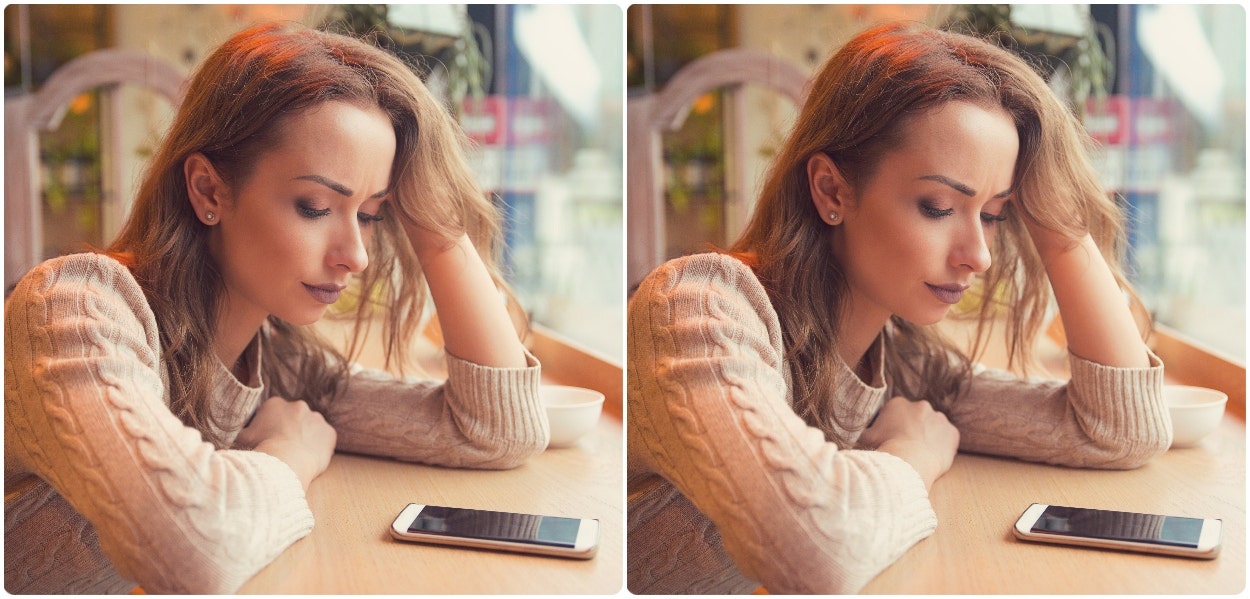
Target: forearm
[474, 320]
[481, 417]
[292, 456]
[1096, 318]
[917, 456]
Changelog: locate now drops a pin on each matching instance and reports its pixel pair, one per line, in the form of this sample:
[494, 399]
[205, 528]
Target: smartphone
[1148, 533]
[507, 531]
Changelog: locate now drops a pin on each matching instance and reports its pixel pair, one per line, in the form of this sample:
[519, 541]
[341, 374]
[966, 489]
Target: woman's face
[296, 230]
[920, 228]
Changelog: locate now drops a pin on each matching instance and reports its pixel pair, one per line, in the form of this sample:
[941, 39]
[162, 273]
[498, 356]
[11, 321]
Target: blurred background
[1161, 88]
[539, 89]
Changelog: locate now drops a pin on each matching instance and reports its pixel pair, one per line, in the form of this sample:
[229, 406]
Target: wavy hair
[234, 109]
[856, 110]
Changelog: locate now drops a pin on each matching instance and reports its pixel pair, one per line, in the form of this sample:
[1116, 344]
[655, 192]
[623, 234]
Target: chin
[304, 318]
[926, 317]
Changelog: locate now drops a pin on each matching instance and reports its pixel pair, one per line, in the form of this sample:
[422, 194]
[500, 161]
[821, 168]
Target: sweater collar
[234, 401]
[857, 401]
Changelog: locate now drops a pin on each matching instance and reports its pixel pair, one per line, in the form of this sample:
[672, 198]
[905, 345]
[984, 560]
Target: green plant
[467, 66]
[1085, 59]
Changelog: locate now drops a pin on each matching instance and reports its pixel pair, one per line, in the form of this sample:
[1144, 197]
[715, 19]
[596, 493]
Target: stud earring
[833, 217]
[210, 216]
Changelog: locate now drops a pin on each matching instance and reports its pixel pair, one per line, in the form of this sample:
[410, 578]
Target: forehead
[960, 139]
[336, 139]
[334, 120]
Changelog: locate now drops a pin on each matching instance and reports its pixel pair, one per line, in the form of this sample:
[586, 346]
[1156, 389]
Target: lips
[949, 294]
[326, 294]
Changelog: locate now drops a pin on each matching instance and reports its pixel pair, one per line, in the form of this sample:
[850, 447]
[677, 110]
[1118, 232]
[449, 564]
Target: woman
[165, 413]
[763, 450]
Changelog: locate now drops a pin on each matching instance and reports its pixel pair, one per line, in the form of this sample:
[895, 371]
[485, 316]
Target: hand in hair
[293, 433]
[916, 433]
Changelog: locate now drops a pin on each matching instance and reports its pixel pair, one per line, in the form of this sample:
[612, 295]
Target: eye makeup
[930, 210]
[369, 219]
[307, 211]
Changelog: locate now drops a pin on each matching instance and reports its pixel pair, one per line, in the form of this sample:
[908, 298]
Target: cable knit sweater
[106, 488]
[730, 489]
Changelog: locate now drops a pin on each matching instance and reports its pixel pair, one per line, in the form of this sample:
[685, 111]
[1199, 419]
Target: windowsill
[1189, 362]
[565, 362]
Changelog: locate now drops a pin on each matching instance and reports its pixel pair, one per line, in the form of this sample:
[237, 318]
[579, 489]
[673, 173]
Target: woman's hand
[916, 433]
[471, 312]
[293, 433]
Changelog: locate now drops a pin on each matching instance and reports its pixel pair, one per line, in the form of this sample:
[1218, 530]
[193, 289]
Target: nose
[972, 250]
[348, 251]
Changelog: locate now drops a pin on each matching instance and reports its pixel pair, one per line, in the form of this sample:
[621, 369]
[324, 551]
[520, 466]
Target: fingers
[280, 417]
[902, 418]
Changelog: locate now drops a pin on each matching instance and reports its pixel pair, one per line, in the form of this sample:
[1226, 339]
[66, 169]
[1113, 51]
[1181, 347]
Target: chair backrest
[666, 110]
[25, 117]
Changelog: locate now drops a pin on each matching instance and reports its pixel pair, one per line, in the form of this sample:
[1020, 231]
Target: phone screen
[1121, 526]
[497, 526]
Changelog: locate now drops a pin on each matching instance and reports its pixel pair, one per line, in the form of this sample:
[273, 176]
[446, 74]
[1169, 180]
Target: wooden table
[357, 498]
[979, 499]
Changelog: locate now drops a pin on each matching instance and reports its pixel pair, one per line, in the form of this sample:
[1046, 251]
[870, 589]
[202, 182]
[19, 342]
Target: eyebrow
[338, 187]
[960, 187]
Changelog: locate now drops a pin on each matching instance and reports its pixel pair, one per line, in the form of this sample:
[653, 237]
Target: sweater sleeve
[1104, 417]
[708, 412]
[85, 410]
[480, 417]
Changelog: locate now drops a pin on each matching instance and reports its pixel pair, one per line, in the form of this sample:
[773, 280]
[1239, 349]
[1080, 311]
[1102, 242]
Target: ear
[830, 192]
[207, 190]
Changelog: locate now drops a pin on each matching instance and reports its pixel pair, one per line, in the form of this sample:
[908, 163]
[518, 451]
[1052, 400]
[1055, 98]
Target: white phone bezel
[585, 547]
[1208, 540]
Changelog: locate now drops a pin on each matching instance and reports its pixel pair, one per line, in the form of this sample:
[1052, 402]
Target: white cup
[1195, 412]
[572, 412]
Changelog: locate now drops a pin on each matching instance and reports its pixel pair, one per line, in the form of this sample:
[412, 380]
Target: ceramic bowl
[572, 411]
[1195, 411]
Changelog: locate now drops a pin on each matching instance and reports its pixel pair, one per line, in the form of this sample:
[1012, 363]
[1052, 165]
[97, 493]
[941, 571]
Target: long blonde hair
[235, 107]
[856, 111]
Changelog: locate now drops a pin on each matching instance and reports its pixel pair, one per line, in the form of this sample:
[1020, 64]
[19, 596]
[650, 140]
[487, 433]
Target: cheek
[299, 246]
[274, 244]
[900, 241]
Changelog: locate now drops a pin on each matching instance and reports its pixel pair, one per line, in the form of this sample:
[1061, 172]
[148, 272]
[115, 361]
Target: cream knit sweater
[105, 488]
[729, 489]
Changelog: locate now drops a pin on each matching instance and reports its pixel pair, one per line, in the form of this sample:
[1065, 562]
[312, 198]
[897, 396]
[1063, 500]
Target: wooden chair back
[651, 115]
[26, 116]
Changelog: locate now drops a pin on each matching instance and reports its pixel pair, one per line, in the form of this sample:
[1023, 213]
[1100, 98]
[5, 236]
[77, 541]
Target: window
[550, 148]
[1173, 139]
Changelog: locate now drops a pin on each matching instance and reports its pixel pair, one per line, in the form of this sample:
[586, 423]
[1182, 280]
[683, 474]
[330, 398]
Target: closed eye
[933, 212]
[369, 219]
[307, 211]
[992, 219]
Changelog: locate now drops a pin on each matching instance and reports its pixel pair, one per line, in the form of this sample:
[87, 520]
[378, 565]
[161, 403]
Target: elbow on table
[1141, 453]
[506, 448]
[827, 570]
[831, 579]
[504, 451]
[1132, 453]
[211, 583]
[196, 575]
[215, 555]
[515, 454]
